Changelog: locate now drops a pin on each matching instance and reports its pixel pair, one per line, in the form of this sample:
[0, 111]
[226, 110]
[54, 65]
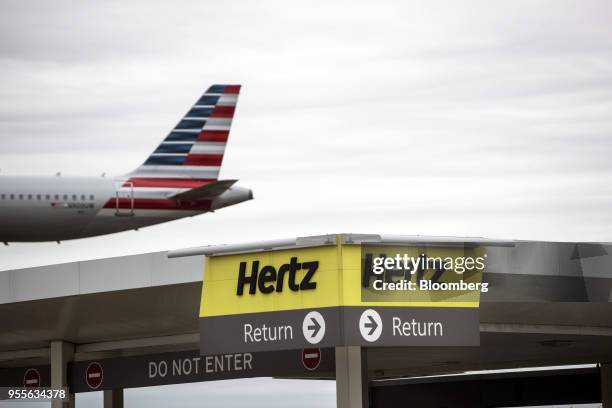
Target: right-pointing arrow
[372, 325]
[315, 327]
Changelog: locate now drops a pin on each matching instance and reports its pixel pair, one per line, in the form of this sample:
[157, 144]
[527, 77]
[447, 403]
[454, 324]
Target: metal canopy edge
[284, 243]
[330, 239]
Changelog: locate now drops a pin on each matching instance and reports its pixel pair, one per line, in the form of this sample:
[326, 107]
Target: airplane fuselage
[34, 209]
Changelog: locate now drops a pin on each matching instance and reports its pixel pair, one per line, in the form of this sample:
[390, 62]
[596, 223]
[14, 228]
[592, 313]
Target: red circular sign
[94, 375]
[31, 378]
[311, 358]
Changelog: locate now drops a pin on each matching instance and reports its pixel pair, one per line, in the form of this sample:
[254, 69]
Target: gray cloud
[338, 99]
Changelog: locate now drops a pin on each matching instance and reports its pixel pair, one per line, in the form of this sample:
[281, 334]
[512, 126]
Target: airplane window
[91, 197]
[47, 197]
[21, 196]
[82, 197]
[74, 197]
[29, 196]
[65, 196]
[2, 196]
[57, 196]
[38, 197]
[12, 197]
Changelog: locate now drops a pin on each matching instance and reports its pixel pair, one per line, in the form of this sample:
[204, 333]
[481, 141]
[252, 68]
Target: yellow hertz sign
[333, 276]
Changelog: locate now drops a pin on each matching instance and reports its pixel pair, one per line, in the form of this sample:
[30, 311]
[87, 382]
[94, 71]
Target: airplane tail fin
[192, 153]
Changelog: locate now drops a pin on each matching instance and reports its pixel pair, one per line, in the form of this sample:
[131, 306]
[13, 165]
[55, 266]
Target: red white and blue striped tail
[192, 153]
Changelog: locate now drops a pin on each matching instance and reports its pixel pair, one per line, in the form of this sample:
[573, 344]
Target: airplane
[179, 179]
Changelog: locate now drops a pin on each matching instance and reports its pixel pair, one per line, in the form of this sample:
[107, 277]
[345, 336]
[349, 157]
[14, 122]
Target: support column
[113, 398]
[61, 353]
[606, 385]
[351, 378]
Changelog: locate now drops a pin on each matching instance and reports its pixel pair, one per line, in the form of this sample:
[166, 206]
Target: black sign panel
[190, 366]
[26, 377]
[385, 326]
[417, 326]
[269, 331]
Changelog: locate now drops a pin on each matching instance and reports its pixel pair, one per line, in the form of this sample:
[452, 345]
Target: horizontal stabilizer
[208, 191]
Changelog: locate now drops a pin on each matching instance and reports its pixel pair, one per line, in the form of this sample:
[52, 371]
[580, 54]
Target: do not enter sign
[311, 358]
[94, 375]
[31, 378]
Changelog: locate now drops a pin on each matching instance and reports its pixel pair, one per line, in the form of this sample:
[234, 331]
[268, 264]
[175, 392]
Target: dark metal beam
[570, 386]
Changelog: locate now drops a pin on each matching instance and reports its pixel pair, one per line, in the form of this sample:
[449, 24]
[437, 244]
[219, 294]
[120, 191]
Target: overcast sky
[428, 117]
